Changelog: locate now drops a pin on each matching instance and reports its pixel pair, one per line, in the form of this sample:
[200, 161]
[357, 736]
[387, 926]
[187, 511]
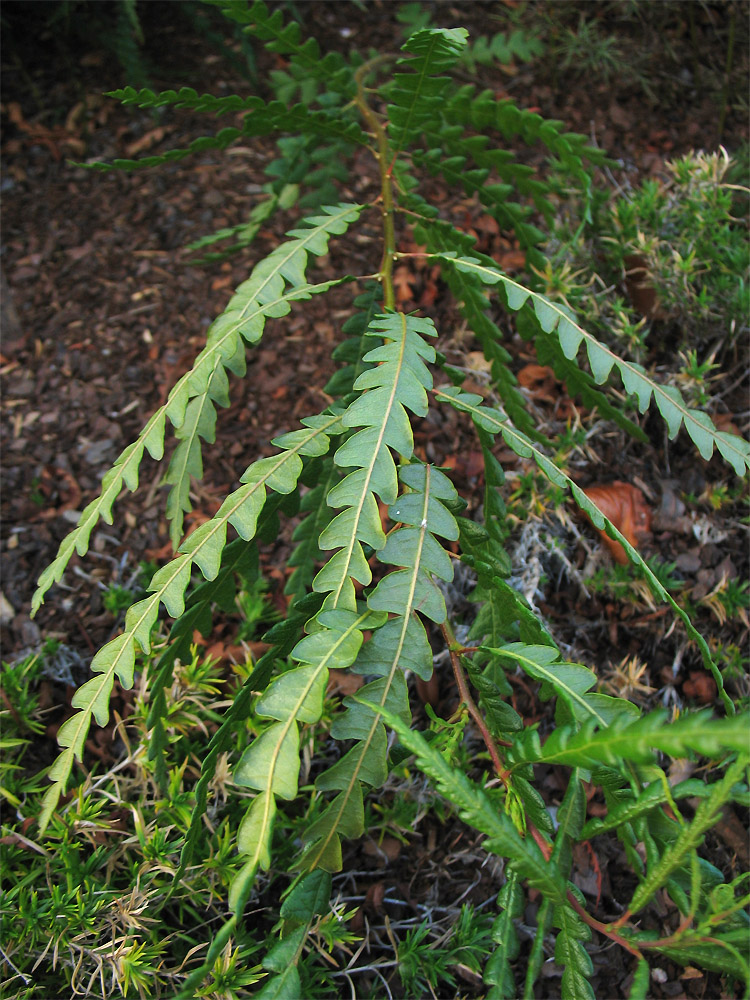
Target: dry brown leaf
[701, 687]
[403, 279]
[640, 286]
[342, 682]
[541, 383]
[625, 506]
[146, 141]
[388, 848]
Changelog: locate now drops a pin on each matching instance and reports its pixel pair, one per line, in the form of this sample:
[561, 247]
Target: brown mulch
[103, 311]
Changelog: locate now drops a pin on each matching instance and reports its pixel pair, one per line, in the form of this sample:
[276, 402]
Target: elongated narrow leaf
[569, 681]
[669, 401]
[476, 808]
[636, 739]
[571, 954]
[186, 461]
[494, 421]
[271, 763]
[469, 292]
[415, 97]
[397, 645]
[203, 549]
[263, 294]
[398, 383]
[653, 796]
[498, 972]
[690, 835]
[485, 112]
[263, 119]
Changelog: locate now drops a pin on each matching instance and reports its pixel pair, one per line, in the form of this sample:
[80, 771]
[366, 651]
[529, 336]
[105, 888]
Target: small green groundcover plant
[365, 592]
[679, 247]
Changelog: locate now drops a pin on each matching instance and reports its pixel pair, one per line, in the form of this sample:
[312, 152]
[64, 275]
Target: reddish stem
[544, 846]
[463, 690]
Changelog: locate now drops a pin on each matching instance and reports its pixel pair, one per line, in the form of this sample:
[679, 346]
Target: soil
[104, 309]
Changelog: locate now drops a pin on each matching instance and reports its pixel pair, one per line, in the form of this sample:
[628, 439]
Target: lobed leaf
[262, 295]
[398, 644]
[397, 383]
[571, 955]
[669, 402]
[476, 808]
[690, 835]
[637, 739]
[498, 971]
[271, 763]
[484, 111]
[494, 421]
[569, 681]
[415, 99]
[203, 548]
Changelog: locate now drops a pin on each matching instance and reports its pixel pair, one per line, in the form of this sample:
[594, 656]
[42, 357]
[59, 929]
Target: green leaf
[571, 954]
[204, 548]
[690, 835]
[569, 681]
[262, 295]
[402, 641]
[627, 738]
[669, 402]
[304, 688]
[415, 98]
[254, 839]
[651, 797]
[601, 360]
[397, 383]
[395, 646]
[476, 808]
[571, 335]
[272, 764]
[494, 422]
[366, 762]
[309, 898]
[498, 971]
[285, 986]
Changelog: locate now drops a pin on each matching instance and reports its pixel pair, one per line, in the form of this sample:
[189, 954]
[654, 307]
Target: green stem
[386, 181]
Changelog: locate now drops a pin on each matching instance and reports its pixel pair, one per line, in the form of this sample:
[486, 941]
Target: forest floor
[111, 310]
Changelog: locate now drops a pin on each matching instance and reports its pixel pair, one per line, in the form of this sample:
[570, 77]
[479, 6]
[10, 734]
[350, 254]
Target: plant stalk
[386, 181]
[463, 690]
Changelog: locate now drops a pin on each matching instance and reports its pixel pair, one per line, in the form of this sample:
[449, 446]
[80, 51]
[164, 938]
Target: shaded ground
[110, 313]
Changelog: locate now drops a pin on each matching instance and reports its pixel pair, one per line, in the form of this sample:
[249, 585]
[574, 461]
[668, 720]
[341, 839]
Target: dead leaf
[342, 682]
[7, 611]
[429, 294]
[625, 506]
[701, 687]
[691, 973]
[725, 423]
[146, 141]
[487, 224]
[477, 362]
[511, 260]
[388, 848]
[403, 279]
[429, 691]
[540, 382]
[374, 897]
[733, 833]
[640, 286]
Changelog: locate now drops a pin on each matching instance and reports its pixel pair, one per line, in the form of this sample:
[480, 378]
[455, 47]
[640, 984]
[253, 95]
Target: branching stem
[455, 649]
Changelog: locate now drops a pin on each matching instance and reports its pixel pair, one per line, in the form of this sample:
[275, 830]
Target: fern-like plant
[370, 562]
